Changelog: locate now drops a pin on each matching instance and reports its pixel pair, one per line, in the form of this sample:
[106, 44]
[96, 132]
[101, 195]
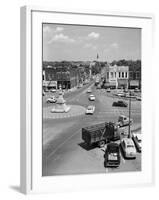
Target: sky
[83, 43]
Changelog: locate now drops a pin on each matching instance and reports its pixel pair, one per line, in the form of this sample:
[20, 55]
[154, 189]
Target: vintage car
[124, 120]
[137, 141]
[51, 100]
[138, 98]
[90, 109]
[53, 90]
[92, 97]
[128, 148]
[89, 90]
[120, 104]
[112, 155]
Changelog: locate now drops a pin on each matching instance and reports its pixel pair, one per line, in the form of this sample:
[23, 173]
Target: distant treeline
[136, 65]
[133, 65]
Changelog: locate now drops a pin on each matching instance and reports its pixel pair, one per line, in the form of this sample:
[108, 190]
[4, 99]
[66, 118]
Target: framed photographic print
[86, 116]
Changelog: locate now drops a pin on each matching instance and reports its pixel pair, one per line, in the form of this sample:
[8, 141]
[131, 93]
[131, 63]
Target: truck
[124, 121]
[100, 134]
[112, 155]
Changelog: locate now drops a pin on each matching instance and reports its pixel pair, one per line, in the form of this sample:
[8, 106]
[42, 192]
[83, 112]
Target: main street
[64, 151]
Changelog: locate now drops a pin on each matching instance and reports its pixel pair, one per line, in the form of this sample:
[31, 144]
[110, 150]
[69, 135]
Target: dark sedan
[120, 104]
[112, 155]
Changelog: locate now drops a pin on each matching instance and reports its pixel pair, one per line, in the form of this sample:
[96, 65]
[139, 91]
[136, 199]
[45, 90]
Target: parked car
[53, 90]
[90, 109]
[128, 148]
[46, 90]
[51, 100]
[124, 120]
[89, 90]
[120, 104]
[136, 90]
[120, 94]
[112, 155]
[137, 141]
[108, 90]
[138, 98]
[91, 97]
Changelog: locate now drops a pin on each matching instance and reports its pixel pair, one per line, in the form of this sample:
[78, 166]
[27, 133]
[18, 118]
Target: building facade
[111, 76]
[123, 76]
[117, 76]
[68, 77]
[135, 77]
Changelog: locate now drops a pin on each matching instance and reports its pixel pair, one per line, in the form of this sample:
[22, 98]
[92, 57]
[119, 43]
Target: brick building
[134, 77]
[67, 76]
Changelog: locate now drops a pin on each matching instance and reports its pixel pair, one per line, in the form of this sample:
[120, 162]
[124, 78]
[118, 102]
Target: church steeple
[97, 56]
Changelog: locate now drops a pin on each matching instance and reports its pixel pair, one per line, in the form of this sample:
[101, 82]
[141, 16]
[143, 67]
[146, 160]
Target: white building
[117, 76]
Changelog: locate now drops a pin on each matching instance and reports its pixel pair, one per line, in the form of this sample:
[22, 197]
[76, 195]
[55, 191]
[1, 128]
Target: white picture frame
[31, 125]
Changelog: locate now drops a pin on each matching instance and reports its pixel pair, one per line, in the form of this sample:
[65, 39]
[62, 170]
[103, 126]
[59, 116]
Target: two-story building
[68, 77]
[111, 76]
[117, 76]
[123, 76]
[134, 77]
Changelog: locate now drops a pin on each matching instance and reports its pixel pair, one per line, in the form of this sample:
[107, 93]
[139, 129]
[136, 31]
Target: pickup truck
[112, 155]
[124, 121]
[99, 134]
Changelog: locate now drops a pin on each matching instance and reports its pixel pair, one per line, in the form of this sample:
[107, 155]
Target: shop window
[131, 75]
[122, 74]
[137, 75]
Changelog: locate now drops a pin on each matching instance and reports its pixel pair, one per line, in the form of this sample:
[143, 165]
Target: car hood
[130, 150]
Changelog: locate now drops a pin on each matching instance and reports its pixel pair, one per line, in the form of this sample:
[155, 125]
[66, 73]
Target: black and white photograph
[91, 99]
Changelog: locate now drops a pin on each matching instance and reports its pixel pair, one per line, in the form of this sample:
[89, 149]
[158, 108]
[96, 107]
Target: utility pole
[129, 134]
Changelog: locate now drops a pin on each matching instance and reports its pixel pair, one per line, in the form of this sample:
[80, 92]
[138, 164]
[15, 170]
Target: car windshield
[130, 146]
[139, 139]
[113, 149]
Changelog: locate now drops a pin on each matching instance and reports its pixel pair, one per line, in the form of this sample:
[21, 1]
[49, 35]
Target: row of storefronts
[71, 76]
[66, 77]
[122, 77]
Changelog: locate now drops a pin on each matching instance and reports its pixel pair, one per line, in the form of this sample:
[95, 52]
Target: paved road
[63, 149]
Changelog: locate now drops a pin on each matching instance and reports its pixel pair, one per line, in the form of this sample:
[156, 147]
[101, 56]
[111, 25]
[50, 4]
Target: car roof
[90, 106]
[139, 136]
[112, 144]
[128, 141]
